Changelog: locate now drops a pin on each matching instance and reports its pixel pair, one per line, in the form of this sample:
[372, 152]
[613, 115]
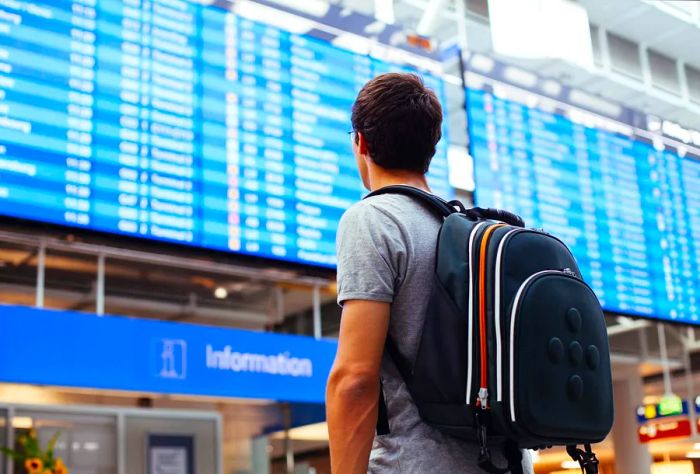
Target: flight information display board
[625, 200]
[169, 120]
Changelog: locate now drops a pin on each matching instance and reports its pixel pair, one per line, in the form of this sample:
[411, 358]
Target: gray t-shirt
[386, 252]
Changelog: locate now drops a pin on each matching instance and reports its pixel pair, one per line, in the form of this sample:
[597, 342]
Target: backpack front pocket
[558, 354]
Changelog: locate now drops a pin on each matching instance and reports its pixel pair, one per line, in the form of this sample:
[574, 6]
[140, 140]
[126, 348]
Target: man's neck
[380, 178]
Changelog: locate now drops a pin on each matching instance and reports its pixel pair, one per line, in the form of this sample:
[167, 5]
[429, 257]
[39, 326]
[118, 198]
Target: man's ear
[362, 144]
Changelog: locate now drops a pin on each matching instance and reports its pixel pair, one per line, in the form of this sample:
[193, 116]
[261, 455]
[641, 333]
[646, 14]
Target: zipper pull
[483, 400]
[569, 272]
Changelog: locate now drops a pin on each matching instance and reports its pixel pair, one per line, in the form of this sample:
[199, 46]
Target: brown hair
[400, 119]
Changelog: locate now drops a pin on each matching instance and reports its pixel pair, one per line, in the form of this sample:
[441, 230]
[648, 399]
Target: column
[690, 173]
[630, 455]
[221, 145]
[556, 176]
[438, 175]
[486, 166]
[593, 271]
[500, 160]
[275, 124]
[80, 113]
[627, 248]
[233, 192]
[129, 93]
[169, 75]
[323, 168]
[679, 249]
[671, 224]
[262, 146]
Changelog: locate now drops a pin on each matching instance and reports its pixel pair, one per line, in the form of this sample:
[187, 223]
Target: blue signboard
[178, 122]
[71, 349]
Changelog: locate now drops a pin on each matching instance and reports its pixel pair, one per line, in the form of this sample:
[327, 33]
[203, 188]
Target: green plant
[34, 459]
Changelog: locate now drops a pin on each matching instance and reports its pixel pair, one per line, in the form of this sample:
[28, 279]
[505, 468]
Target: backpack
[514, 347]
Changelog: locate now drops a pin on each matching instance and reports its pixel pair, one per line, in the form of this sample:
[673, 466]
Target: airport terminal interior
[172, 174]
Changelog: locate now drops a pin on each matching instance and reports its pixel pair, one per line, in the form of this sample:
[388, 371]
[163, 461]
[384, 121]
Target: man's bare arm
[353, 386]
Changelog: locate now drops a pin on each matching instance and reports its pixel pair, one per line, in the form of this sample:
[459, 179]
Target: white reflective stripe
[499, 349]
[516, 301]
[470, 348]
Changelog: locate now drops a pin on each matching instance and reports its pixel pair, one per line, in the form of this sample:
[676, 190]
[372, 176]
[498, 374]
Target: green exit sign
[670, 405]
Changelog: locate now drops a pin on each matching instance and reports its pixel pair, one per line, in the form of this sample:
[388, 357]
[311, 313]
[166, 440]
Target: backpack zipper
[483, 396]
[497, 314]
[516, 305]
[470, 329]
[497, 309]
[569, 272]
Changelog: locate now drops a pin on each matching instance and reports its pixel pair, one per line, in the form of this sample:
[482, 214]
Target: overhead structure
[643, 53]
[430, 16]
[384, 11]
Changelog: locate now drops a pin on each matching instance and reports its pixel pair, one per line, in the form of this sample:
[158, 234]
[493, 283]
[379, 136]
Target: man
[386, 255]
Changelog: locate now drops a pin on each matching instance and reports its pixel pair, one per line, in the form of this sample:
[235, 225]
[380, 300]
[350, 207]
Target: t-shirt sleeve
[371, 252]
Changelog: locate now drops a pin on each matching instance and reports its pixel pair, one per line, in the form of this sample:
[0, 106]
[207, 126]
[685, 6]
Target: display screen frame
[197, 248]
[646, 129]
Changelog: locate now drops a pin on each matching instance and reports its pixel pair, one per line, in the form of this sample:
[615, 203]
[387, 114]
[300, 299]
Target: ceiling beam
[165, 309]
[271, 274]
[627, 327]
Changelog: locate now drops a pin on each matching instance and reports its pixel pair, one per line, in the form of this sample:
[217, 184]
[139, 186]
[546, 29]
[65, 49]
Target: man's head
[397, 123]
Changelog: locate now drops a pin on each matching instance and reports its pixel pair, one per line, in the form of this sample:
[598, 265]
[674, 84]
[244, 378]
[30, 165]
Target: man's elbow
[352, 385]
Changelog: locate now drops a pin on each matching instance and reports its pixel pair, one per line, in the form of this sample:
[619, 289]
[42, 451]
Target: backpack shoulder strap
[444, 208]
[438, 205]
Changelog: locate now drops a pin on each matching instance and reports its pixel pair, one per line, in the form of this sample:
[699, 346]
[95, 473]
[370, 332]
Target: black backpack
[514, 348]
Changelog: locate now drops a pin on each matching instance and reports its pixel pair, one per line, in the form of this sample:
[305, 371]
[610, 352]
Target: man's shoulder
[394, 207]
[379, 219]
[380, 207]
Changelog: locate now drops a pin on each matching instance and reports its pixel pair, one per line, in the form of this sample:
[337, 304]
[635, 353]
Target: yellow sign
[650, 412]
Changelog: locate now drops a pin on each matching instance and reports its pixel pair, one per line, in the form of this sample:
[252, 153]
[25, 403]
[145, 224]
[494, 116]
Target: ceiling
[670, 28]
[647, 24]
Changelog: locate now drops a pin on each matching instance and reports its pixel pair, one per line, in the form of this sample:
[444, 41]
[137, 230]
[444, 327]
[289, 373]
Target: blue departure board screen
[169, 120]
[624, 199]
